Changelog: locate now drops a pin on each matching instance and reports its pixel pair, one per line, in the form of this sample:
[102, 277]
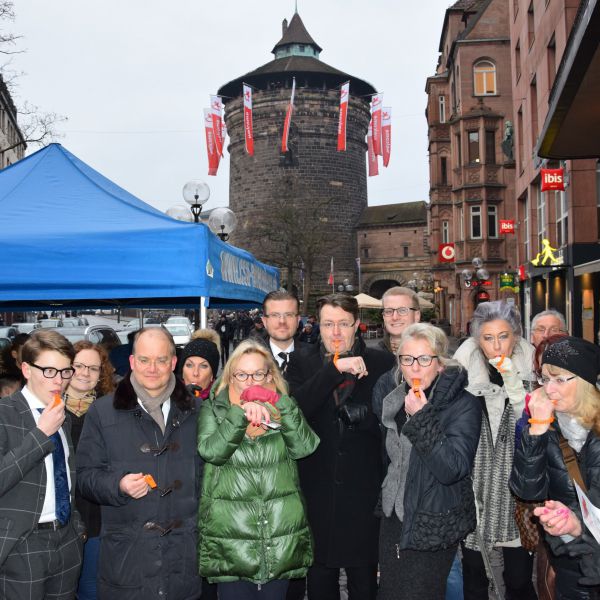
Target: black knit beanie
[204, 349]
[580, 357]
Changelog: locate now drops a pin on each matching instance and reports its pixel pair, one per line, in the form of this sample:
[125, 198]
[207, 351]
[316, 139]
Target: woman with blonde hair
[254, 534]
[560, 445]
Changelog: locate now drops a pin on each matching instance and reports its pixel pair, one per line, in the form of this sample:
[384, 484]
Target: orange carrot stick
[57, 400]
[500, 362]
[336, 356]
[150, 480]
[416, 385]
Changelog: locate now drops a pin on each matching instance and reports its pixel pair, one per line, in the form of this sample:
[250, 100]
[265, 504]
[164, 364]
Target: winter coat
[493, 462]
[252, 519]
[148, 545]
[342, 479]
[439, 507]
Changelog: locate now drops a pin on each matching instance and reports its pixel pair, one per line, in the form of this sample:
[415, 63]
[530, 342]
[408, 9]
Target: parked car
[75, 322]
[181, 333]
[48, 323]
[103, 335]
[8, 332]
[180, 321]
[26, 327]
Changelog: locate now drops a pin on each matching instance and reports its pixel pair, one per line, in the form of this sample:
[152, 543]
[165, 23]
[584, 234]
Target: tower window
[484, 78]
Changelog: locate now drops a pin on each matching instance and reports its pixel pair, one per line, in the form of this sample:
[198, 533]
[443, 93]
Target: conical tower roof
[295, 33]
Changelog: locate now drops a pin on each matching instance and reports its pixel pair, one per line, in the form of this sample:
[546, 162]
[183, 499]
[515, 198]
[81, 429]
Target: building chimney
[284, 27]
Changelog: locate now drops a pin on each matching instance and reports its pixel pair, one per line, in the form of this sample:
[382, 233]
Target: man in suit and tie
[281, 317]
[41, 533]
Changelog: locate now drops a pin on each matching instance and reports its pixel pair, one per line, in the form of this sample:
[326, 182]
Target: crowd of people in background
[271, 452]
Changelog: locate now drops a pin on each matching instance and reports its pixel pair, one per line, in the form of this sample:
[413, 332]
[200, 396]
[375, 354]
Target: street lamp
[222, 222]
[345, 286]
[196, 193]
[476, 277]
[424, 284]
[180, 213]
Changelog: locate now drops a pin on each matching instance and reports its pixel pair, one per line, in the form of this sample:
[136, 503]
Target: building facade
[471, 159]
[12, 143]
[566, 220]
[393, 247]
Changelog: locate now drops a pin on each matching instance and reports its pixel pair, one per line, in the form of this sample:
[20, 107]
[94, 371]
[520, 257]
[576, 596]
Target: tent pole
[202, 313]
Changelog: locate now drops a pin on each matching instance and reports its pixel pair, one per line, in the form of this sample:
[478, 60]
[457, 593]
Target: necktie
[62, 496]
[284, 361]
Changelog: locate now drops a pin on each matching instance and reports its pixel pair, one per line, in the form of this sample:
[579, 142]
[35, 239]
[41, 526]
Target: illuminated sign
[546, 257]
[507, 226]
[552, 180]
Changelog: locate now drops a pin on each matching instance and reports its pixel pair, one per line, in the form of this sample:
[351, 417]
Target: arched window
[484, 78]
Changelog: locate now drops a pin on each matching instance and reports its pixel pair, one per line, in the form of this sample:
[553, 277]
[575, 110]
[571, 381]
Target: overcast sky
[133, 76]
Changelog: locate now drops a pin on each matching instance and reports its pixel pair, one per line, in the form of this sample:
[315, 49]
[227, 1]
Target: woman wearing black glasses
[432, 429]
[499, 362]
[254, 534]
[561, 444]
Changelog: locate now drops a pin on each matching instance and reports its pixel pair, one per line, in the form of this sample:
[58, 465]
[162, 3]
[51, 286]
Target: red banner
[211, 147]
[372, 157]
[344, 96]
[446, 253]
[288, 119]
[216, 106]
[330, 280]
[507, 226]
[386, 134]
[248, 119]
[553, 180]
[522, 273]
[376, 104]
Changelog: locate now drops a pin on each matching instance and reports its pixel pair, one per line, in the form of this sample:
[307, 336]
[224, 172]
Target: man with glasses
[332, 383]
[41, 532]
[546, 324]
[281, 318]
[137, 458]
[400, 309]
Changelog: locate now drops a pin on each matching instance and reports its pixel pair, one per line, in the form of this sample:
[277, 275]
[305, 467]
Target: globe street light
[222, 222]
[345, 286]
[196, 193]
[180, 213]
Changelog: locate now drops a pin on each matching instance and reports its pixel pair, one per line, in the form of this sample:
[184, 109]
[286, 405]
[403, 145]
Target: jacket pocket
[123, 558]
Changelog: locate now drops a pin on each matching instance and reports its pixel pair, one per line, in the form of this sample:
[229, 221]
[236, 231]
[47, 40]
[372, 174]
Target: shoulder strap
[571, 462]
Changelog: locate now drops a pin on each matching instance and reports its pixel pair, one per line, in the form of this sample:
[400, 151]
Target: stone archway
[377, 288]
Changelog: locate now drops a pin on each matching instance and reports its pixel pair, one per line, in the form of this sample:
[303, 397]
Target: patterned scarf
[153, 405]
[78, 405]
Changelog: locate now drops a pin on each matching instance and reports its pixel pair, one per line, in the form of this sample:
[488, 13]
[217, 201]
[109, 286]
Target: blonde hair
[587, 400]
[208, 334]
[252, 347]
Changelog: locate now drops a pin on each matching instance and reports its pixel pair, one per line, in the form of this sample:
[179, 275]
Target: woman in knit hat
[199, 362]
[564, 428]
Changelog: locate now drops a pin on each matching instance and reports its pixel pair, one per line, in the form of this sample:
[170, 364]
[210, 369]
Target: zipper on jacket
[397, 550]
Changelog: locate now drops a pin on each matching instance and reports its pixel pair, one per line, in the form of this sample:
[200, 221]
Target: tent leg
[202, 313]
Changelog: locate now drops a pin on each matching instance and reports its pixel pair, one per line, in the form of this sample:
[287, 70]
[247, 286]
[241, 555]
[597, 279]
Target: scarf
[344, 390]
[153, 405]
[76, 404]
[573, 431]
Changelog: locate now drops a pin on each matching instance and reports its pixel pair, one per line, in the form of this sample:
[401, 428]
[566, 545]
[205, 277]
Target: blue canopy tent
[73, 238]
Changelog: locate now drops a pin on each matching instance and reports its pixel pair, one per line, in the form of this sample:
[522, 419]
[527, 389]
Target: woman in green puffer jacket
[254, 534]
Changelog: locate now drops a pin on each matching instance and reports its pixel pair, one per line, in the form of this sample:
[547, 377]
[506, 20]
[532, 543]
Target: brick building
[12, 143]
[540, 33]
[469, 111]
[393, 245]
[316, 186]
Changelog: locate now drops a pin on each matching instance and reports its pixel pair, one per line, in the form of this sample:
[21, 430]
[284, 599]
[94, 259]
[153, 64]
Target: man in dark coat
[332, 383]
[224, 328]
[137, 458]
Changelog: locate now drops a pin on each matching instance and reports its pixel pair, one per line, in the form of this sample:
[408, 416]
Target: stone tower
[312, 195]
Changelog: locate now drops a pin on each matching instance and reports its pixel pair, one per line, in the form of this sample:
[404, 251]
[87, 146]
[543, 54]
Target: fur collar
[125, 397]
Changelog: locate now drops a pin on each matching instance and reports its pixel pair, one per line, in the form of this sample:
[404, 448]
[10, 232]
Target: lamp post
[222, 222]
[476, 278]
[345, 286]
[419, 283]
[196, 193]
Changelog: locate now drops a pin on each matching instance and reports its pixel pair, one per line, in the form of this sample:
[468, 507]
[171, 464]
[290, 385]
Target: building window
[534, 111]
[459, 148]
[445, 232]
[541, 215]
[562, 219]
[365, 252]
[527, 224]
[442, 106]
[518, 60]
[405, 251]
[444, 170]
[520, 138]
[530, 25]
[492, 214]
[476, 222]
[490, 147]
[461, 224]
[484, 77]
[551, 60]
[474, 147]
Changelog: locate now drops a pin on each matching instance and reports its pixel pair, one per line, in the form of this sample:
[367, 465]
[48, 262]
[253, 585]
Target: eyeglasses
[161, 363]
[95, 369]
[406, 360]
[51, 372]
[258, 376]
[277, 316]
[327, 325]
[548, 330]
[402, 311]
[560, 381]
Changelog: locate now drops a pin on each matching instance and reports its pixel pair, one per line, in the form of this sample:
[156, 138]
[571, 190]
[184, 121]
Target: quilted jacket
[252, 517]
